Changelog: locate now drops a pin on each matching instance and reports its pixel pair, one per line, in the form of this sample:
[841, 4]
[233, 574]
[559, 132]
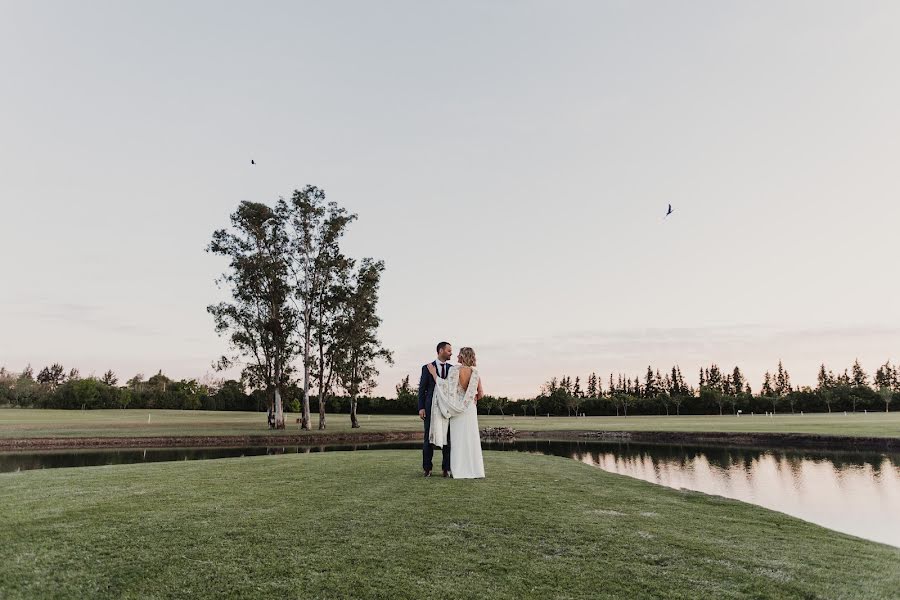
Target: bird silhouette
[252, 162]
[670, 211]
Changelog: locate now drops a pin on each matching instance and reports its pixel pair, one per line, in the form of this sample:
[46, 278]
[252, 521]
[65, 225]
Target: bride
[455, 400]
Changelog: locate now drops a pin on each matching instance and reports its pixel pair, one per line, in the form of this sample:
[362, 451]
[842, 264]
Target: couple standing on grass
[448, 395]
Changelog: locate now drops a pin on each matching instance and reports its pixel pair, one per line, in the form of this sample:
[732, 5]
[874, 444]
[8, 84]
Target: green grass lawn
[16, 423]
[366, 525]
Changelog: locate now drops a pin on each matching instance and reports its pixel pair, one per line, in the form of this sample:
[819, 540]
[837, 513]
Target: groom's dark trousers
[426, 393]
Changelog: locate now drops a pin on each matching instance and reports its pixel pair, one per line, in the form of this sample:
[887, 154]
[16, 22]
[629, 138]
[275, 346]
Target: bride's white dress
[456, 405]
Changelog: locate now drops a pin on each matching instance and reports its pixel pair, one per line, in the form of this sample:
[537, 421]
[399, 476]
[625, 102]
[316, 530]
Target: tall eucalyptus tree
[314, 229]
[357, 335]
[259, 321]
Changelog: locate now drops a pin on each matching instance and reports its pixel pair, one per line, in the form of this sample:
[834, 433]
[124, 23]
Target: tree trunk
[354, 422]
[279, 410]
[322, 388]
[304, 415]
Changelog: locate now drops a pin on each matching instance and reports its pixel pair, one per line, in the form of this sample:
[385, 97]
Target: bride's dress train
[456, 405]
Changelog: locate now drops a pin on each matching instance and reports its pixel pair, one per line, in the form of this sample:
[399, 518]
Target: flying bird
[253, 162]
[670, 211]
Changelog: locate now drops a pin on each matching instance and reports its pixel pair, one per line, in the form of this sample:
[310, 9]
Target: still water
[853, 492]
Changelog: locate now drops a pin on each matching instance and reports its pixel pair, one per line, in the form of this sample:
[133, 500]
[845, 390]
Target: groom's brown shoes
[446, 473]
[427, 474]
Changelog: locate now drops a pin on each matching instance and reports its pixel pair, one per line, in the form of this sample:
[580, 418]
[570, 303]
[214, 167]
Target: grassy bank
[21, 423]
[365, 525]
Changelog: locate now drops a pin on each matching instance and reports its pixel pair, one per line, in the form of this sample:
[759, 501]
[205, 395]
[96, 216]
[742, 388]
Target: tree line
[52, 387]
[655, 393]
[718, 391]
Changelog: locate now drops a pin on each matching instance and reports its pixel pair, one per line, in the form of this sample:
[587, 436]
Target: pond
[848, 491]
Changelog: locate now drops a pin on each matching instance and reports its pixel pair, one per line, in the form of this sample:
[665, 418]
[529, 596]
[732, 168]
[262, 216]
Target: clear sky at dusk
[526, 149]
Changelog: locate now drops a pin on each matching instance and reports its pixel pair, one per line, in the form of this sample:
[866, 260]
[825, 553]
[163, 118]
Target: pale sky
[511, 162]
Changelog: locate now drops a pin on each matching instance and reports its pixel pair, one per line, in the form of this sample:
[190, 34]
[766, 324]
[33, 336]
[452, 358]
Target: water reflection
[853, 492]
[52, 459]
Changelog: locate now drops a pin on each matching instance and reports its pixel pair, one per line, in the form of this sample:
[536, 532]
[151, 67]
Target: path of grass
[365, 525]
[20, 423]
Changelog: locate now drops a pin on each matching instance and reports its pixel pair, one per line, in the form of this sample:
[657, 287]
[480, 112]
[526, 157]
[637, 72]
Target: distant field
[22, 423]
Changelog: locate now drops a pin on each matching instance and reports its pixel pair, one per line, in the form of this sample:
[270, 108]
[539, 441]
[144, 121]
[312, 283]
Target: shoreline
[765, 439]
[753, 439]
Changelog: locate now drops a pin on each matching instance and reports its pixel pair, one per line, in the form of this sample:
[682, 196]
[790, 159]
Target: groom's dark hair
[441, 346]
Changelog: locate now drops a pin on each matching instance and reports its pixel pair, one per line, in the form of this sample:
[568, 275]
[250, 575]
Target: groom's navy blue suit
[426, 393]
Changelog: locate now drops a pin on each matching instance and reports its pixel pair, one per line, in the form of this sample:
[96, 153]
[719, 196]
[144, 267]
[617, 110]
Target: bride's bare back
[465, 375]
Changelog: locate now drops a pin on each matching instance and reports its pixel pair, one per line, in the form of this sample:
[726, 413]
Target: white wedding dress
[457, 406]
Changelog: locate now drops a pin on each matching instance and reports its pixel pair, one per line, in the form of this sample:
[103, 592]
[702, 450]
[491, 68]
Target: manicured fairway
[15, 423]
[365, 525]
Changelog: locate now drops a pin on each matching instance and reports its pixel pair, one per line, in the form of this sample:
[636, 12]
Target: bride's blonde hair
[467, 356]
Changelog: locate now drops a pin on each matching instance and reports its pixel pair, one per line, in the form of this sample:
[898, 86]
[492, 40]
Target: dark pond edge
[765, 439]
[207, 441]
[769, 440]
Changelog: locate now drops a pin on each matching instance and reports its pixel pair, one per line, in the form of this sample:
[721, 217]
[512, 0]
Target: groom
[426, 393]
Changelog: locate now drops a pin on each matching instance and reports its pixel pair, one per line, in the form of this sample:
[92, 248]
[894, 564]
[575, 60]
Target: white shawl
[449, 401]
